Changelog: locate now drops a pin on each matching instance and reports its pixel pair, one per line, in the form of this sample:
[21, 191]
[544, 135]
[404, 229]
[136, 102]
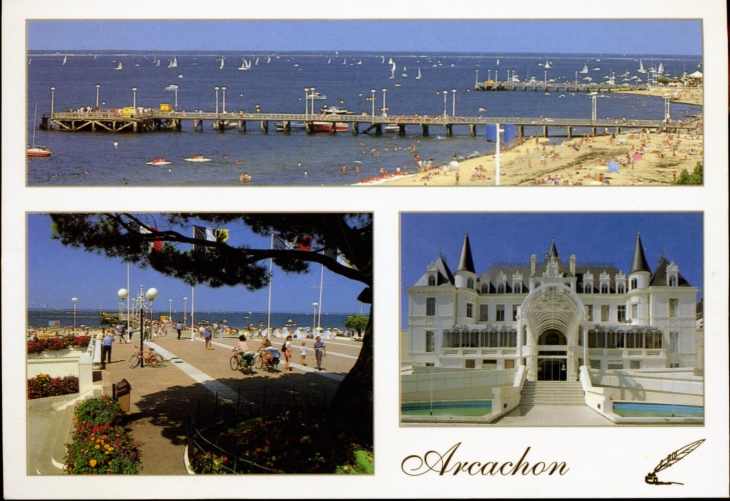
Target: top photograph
[364, 103]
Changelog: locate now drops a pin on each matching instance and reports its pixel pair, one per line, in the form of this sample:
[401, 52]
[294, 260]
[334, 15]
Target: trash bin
[122, 392]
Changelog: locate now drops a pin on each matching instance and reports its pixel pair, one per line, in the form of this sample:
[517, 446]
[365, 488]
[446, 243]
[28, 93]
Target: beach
[640, 159]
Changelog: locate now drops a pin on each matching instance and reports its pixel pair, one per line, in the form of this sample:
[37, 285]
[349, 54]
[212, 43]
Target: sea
[276, 82]
[238, 319]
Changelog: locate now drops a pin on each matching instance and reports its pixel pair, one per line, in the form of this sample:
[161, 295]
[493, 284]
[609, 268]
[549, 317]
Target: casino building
[553, 316]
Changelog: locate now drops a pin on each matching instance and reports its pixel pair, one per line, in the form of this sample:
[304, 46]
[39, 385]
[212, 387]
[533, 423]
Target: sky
[57, 273]
[513, 237]
[660, 37]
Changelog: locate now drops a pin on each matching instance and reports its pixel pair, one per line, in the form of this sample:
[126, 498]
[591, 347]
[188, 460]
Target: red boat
[38, 151]
[327, 126]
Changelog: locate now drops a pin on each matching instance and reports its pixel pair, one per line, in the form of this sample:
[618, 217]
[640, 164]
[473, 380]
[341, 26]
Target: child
[303, 353]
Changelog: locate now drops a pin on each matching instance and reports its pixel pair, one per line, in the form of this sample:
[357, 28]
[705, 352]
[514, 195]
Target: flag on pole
[343, 260]
[278, 243]
[221, 236]
[156, 244]
[330, 252]
[202, 233]
[304, 243]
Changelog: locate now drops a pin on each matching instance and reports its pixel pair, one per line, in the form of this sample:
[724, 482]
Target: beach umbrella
[454, 165]
[637, 156]
[613, 167]
[622, 140]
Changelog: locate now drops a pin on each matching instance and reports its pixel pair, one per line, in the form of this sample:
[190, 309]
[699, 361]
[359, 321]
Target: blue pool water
[448, 408]
[640, 409]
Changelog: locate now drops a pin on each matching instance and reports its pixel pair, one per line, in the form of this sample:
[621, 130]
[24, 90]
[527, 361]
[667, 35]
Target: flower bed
[44, 385]
[297, 440]
[101, 445]
[58, 343]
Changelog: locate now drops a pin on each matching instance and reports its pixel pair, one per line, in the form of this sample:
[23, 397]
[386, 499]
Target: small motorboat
[197, 158]
[392, 128]
[158, 161]
[38, 151]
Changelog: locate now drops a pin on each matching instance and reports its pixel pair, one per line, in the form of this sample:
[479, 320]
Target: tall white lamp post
[139, 302]
[170, 317]
[97, 96]
[185, 311]
[74, 300]
[314, 320]
[372, 98]
[216, 100]
[385, 110]
[594, 110]
[134, 101]
[453, 105]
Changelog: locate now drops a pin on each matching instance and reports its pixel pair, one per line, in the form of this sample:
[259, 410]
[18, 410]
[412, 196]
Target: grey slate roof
[638, 263]
[466, 262]
[660, 278]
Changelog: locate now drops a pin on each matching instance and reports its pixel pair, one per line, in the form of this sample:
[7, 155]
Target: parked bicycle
[150, 358]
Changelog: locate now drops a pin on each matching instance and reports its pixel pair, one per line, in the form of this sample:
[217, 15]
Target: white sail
[418, 77]
[119, 66]
[585, 69]
[173, 63]
[257, 61]
[547, 65]
[268, 60]
[641, 66]
[245, 65]
[223, 62]
[64, 61]
[660, 69]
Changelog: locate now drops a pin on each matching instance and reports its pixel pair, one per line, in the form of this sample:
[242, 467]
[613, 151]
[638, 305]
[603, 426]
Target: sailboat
[119, 66]
[404, 74]
[29, 60]
[173, 63]
[329, 60]
[382, 59]
[497, 62]
[660, 69]
[585, 69]
[64, 61]
[223, 62]
[257, 61]
[641, 67]
[37, 151]
[392, 69]
[245, 65]
[547, 65]
[418, 77]
[268, 59]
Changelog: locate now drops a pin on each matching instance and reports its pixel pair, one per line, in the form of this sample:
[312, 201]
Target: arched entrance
[553, 314]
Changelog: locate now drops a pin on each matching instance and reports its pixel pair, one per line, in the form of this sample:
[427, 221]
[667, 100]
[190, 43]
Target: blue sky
[513, 237]
[660, 37]
[57, 273]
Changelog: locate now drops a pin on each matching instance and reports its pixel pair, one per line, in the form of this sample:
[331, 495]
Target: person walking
[106, 347]
[178, 328]
[303, 354]
[287, 353]
[320, 350]
[207, 335]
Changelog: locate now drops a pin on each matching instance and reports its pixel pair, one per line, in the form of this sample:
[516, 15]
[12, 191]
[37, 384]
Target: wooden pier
[157, 121]
[558, 87]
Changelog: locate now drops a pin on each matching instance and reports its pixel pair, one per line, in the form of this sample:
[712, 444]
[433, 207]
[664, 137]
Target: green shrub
[696, 178]
[97, 411]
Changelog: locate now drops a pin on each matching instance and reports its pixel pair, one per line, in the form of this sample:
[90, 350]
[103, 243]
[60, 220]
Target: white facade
[552, 317]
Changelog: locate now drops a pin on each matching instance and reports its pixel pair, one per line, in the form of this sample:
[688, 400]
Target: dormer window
[431, 280]
[485, 288]
[604, 289]
[588, 288]
[621, 289]
[469, 283]
[501, 289]
[673, 281]
[517, 289]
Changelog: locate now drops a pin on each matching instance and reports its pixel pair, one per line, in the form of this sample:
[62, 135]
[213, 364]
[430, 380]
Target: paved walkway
[552, 415]
[163, 399]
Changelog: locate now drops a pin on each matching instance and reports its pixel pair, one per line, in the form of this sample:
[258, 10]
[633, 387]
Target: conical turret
[638, 263]
[466, 263]
[553, 250]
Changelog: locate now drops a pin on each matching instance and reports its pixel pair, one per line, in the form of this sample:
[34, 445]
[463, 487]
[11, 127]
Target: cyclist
[240, 348]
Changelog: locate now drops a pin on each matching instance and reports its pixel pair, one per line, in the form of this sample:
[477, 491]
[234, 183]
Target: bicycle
[245, 362]
[150, 358]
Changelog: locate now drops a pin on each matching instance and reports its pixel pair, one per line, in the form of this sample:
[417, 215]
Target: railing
[627, 353]
[460, 352]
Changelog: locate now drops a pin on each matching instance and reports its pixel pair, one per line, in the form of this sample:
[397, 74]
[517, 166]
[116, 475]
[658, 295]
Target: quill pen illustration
[668, 461]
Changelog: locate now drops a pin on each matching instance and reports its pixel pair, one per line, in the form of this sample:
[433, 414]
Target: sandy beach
[640, 158]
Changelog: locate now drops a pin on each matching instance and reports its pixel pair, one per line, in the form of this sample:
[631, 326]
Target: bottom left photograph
[199, 343]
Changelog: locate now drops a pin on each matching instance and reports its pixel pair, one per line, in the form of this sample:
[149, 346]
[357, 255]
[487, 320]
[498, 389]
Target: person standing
[178, 328]
[320, 350]
[303, 354]
[106, 347]
[287, 353]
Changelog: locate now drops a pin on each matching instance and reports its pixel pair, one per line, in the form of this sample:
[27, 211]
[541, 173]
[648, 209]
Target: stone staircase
[551, 393]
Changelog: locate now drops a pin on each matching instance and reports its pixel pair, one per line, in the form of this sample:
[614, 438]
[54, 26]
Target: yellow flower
[96, 446]
[92, 462]
[106, 453]
[111, 449]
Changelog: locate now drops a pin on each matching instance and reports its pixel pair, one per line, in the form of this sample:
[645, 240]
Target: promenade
[163, 399]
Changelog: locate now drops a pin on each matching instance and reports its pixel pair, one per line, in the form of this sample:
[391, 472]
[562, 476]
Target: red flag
[304, 243]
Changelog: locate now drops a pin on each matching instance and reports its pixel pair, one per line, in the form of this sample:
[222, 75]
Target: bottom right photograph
[573, 319]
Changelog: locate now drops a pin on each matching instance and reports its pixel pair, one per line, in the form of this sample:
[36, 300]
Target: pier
[153, 120]
[558, 87]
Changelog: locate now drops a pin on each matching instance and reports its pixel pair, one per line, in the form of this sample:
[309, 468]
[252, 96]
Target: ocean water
[277, 86]
[41, 318]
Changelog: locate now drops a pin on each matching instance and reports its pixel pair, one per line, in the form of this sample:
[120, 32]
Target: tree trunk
[352, 405]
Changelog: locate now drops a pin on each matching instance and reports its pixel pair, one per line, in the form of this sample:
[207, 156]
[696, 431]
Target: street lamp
[53, 95]
[453, 106]
[170, 317]
[593, 110]
[385, 110]
[176, 98]
[134, 101]
[545, 80]
[314, 321]
[216, 100]
[97, 96]
[74, 300]
[372, 98]
[576, 78]
[224, 99]
[185, 311]
[311, 95]
[140, 303]
[445, 94]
